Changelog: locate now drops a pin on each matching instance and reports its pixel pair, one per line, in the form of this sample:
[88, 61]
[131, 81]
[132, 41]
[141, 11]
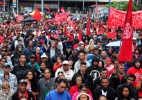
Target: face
[81, 56]
[23, 99]
[30, 44]
[103, 54]
[61, 87]
[5, 89]
[32, 59]
[22, 58]
[100, 64]
[83, 68]
[121, 69]
[29, 75]
[58, 60]
[104, 74]
[78, 80]
[137, 64]
[20, 48]
[105, 83]
[22, 87]
[81, 47]
[6, 69]
[125, 92]
[70, 62]
[61, 75]
[66, 67]
[83, 97]
[47, 74]
[37, 50]
[3, 61]
[96, 52]
[130, 80]
[42, 66]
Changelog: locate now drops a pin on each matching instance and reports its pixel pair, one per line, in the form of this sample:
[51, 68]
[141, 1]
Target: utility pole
[4, 6]
[42, 6]
[83, 7]
[17, 6]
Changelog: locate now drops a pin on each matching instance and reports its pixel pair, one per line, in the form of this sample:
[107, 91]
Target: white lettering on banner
[127, 31]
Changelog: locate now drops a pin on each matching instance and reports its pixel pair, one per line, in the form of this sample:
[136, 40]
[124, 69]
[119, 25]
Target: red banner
[117, 18]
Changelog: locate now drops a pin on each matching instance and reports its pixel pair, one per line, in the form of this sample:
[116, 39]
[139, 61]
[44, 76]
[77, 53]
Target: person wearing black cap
[33, 63]
[8, 77]
[22, 91]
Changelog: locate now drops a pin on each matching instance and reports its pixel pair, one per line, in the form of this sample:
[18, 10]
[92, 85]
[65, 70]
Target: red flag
[80, 35]
[62, 10]
[65, 30]
[37, 15]
[88, 27]
[126, 47]
[19, 17]
[47, 7]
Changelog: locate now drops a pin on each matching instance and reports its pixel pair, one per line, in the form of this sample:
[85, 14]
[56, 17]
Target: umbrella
[29, 19]
[115, 43]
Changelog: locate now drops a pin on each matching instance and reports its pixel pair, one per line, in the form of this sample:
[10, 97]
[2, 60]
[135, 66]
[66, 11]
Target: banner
[117, 18]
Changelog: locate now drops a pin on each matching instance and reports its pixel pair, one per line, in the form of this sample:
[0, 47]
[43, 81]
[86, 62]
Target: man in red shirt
[22, 91]
[137, 71]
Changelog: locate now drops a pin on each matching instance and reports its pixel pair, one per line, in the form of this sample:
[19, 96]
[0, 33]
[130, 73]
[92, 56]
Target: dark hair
[102, 69]
[23, 97]
[60, 58]
[59, 81]
[104, 79]
[102, 63]
[47, 69]
[120, 95]
[83, 85]
[22, 54]
[57, 78]
[33, 81]
[135, 60]
[81, 52]
[132, 76]
[60, 72]
[83, 63]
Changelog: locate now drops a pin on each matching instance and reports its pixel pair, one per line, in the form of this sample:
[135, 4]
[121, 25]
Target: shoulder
[41, 80]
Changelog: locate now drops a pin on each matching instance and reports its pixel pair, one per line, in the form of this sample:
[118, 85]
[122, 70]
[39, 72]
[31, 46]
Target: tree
[121, 6]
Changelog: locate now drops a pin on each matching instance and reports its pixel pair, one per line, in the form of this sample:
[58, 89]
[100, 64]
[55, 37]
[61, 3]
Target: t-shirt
[54, 95]
[136, 72]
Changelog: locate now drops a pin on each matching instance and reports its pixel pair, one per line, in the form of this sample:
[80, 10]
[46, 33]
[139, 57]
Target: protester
[6, 93]
[60, 91]
[8, 77]
[22, 91]
[45, 84]
[105, 90]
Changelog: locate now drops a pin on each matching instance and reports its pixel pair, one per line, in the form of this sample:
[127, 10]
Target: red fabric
[120, 77]
[136, 72]
[88, 27]
[126, 48]
[62, 10]
[19, 17]
[1, 39]
[38, 58]
[80, 35]
[37, 15]
[71, 37]
[47, 7]
[26, 95]
[75, 88]
[65, 30]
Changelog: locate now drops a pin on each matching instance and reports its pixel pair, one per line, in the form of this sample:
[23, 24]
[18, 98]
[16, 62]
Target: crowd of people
[39, 61]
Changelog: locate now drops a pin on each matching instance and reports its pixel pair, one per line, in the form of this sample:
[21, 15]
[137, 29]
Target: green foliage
[121, 6]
